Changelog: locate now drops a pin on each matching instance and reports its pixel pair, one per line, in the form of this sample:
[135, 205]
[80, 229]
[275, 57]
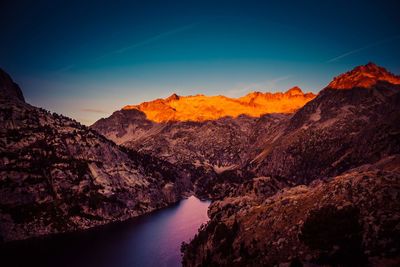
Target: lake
[149, 240]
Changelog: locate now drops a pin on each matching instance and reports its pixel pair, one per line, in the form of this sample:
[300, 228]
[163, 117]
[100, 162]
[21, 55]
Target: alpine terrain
[295, 179]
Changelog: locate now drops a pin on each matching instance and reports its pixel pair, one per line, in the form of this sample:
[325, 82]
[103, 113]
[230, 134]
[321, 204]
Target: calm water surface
[150, 240]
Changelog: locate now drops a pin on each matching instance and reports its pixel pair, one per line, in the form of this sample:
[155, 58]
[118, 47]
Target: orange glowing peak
[202, 108]
[364, 76]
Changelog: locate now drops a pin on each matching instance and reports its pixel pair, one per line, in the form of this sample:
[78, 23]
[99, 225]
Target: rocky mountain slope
[57, 175]
[326, 190]
[348, 220]
[339, 129]
[221, 144]
[222, 140]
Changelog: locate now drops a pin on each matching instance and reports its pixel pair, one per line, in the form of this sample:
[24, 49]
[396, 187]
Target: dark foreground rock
[350, 220]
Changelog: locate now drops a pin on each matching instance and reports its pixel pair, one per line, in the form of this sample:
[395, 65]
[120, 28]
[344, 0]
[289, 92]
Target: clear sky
[86, 60]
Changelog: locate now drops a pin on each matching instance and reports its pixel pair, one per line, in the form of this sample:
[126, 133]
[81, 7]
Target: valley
[294, 178]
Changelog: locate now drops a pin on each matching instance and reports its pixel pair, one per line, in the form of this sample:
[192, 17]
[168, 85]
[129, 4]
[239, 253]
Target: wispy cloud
[241, 89]
[150, 40]
[65, 69]
[92, 110]
[363, 48]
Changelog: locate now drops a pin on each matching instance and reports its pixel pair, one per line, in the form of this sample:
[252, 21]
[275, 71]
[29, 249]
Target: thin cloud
[150, 40]
[92, 110]
[136, 45]
[65, 69]
[363, 48]
[273, 82]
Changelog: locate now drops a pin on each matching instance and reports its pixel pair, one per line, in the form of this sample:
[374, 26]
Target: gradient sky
[86, 60]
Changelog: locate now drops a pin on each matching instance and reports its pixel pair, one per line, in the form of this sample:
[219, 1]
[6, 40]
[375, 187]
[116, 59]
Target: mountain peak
[8, 88]
[294, 91]
[172, 97]
[364, 76]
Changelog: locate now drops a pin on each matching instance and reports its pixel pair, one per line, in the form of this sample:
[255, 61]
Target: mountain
[366, 76]
[325, 189]
[339, 129]
[59, 176]
[317, 183]
[203, 108]
[9, 89]
[219, 148]
[214, 132]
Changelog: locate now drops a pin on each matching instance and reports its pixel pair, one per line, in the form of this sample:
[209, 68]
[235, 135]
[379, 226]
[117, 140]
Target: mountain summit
[203, 108]
[364, 76]
[8, 88]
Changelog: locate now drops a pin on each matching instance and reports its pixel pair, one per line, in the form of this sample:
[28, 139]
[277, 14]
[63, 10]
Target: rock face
[203, 108]
[349, 220]
[326, 188]
[221, 144]
[57, 175]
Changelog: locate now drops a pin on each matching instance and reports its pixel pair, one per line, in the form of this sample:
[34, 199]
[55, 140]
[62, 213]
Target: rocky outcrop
[349, 220]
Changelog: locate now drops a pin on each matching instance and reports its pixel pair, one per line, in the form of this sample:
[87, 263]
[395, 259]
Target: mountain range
[212, 131]
[203, 108]
[295, 178]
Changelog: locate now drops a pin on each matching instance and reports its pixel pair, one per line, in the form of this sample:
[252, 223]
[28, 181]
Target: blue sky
[88, 60]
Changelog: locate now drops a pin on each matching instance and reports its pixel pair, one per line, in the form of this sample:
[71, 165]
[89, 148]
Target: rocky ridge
[365, 76]
[59, 176]
[202, 108]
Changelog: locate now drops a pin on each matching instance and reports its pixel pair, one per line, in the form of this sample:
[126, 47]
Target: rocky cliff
[57, 175]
